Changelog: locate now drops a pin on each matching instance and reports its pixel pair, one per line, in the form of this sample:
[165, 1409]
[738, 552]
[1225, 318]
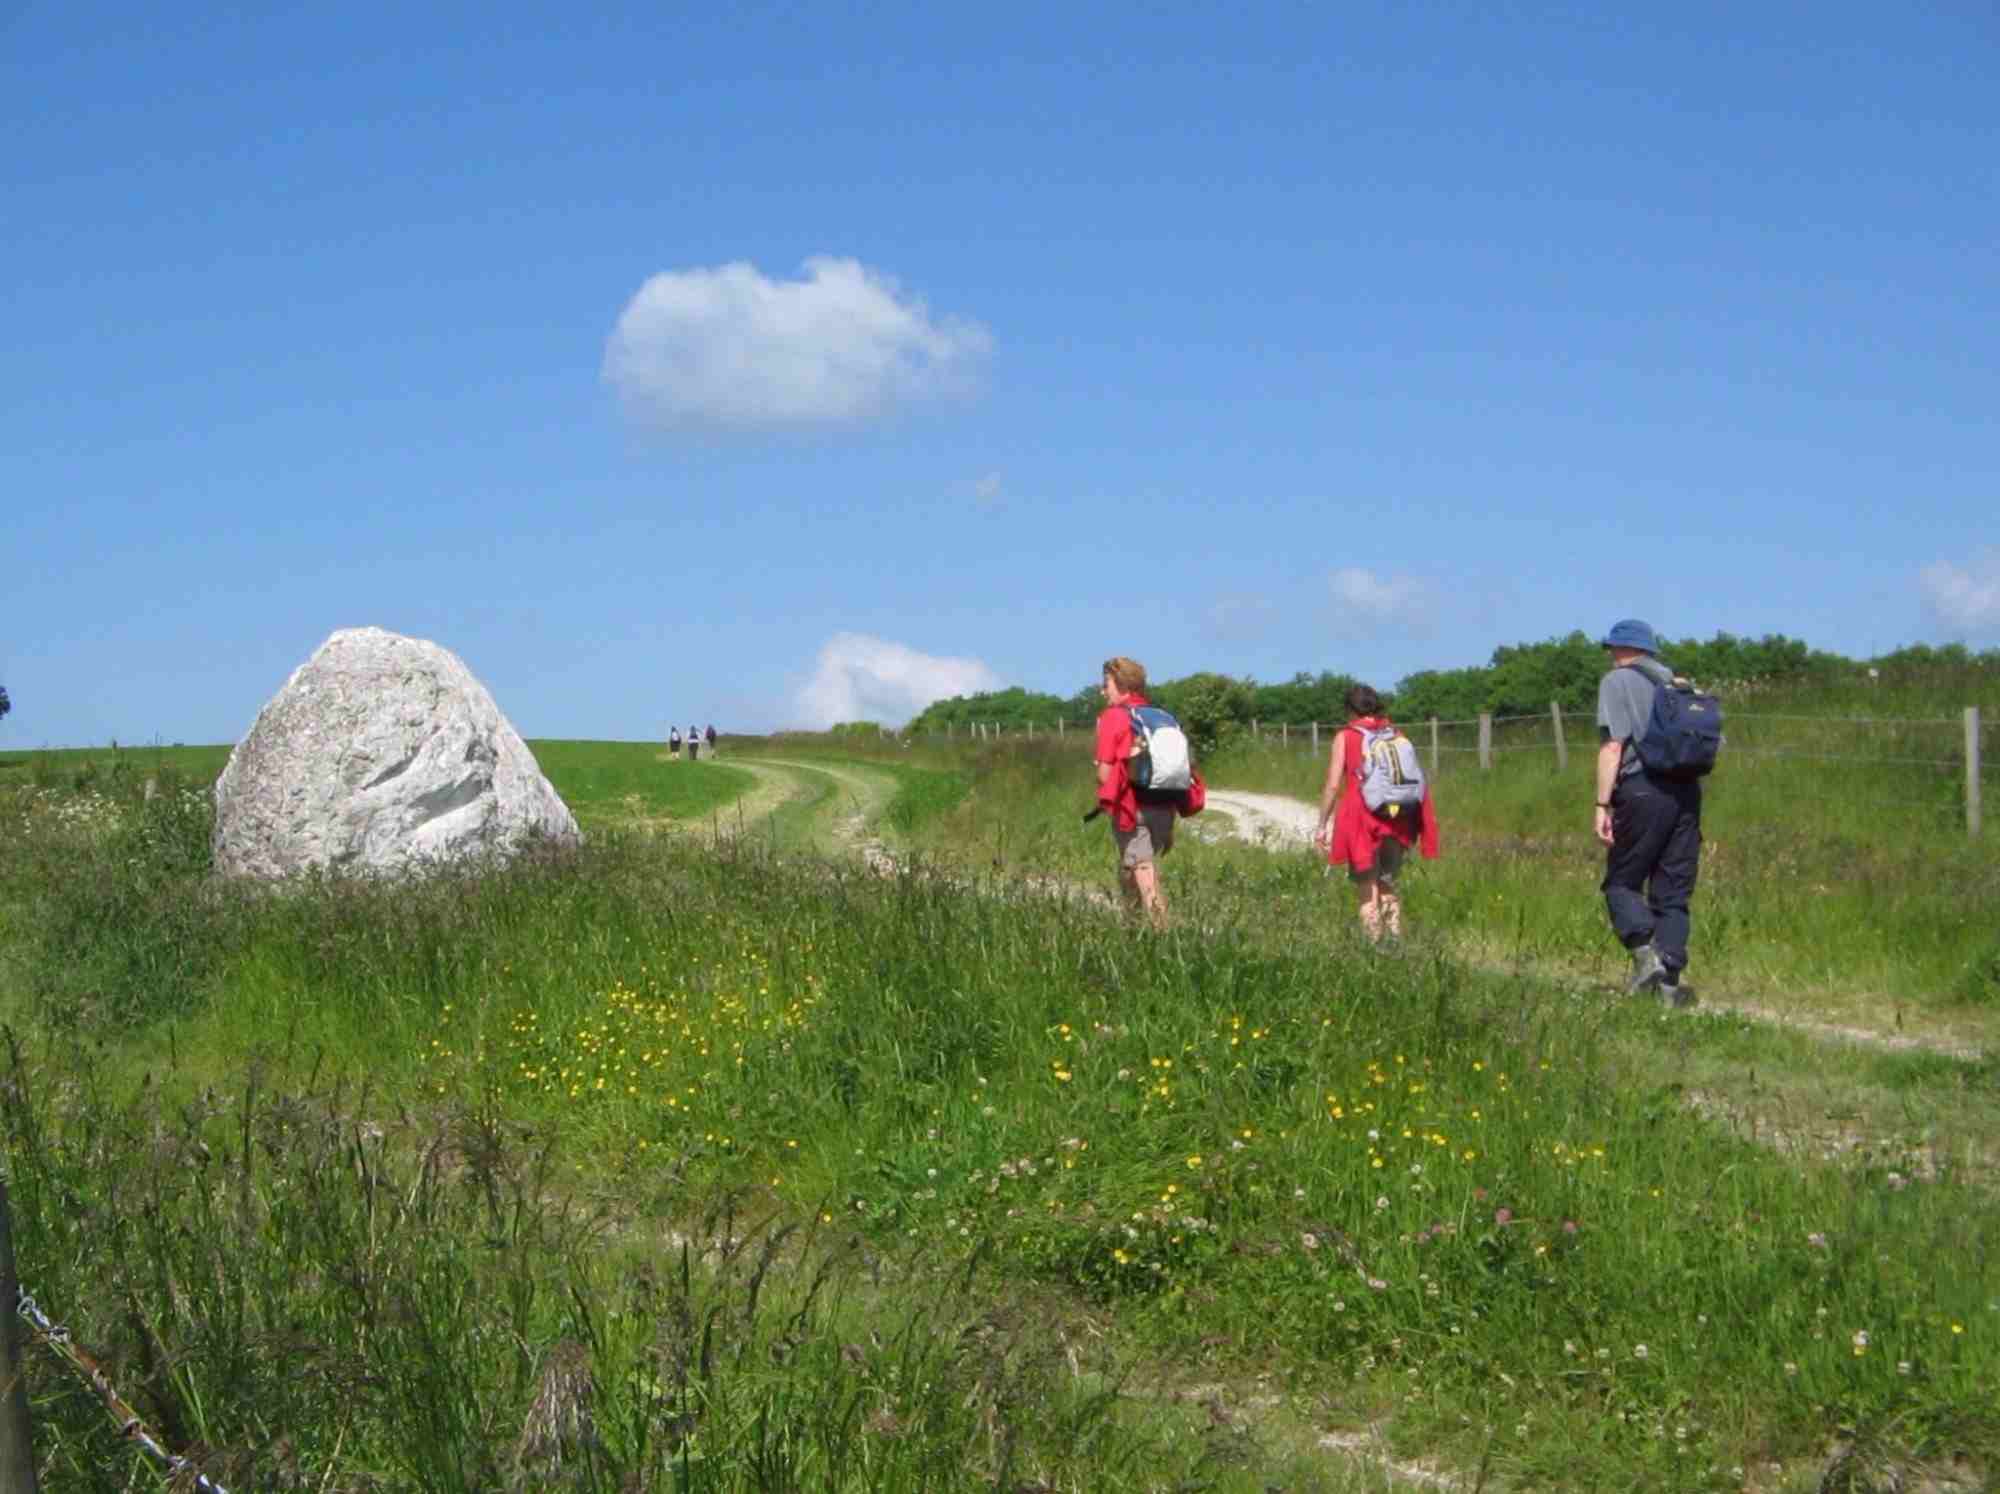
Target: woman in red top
[1370, 845]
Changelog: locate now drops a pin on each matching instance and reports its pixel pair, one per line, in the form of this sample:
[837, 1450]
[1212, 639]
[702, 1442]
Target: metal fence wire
[130, 1425]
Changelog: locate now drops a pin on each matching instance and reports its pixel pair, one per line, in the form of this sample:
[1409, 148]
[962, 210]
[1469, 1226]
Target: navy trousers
[1650, 869]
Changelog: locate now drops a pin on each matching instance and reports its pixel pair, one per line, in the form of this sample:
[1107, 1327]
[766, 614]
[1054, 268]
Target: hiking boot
[1673, 994]
[1649, 972]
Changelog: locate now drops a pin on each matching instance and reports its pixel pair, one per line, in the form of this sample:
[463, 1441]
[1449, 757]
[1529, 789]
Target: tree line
[1520, 679]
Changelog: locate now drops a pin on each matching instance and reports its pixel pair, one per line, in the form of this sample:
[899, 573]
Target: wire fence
[180, 1472]
[1903, 754]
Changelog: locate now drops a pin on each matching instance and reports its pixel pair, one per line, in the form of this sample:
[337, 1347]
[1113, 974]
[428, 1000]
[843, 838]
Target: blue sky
[767, 365]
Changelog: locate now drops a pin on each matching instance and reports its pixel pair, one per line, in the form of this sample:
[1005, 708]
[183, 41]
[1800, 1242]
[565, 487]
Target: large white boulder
[381, 755]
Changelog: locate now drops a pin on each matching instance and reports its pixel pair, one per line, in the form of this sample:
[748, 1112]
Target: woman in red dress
[1370, 845]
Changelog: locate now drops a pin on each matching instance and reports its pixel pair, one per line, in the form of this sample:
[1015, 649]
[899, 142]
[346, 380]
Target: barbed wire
[1849, 721]
[1733, 753]
[1265, 730]
[130, 1425]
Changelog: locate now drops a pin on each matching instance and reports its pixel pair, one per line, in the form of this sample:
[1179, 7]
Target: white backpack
[1162, 767]
[1391, 776]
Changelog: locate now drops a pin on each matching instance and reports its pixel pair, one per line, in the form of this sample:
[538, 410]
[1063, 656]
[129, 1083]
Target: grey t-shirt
[1624, 705]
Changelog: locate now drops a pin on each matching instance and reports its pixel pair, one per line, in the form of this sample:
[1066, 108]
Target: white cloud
[859, 678]
[1965, 598]
[1361, 590]
[986, 490]
[725, 348]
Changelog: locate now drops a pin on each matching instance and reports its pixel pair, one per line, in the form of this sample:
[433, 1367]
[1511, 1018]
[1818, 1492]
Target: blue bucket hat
[1631, 633]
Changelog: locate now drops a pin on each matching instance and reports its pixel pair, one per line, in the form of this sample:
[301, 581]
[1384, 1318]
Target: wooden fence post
[1485, 741]
[1315, 739]
[1434, 746]
[1284, 734]
[1562, 747]
[1972, 771]
[17, 1462]
[1253, 730]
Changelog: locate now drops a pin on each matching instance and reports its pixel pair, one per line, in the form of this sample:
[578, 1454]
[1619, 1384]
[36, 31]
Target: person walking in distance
[1142, 832]
[674, 743]
[708, 738]
[1370, 758]
[694, 743]
[1649, 824]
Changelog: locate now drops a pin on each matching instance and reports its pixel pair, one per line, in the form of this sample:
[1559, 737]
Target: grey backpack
[1391, 777]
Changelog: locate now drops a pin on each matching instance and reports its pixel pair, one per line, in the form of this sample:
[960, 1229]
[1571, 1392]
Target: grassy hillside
[678, 1165]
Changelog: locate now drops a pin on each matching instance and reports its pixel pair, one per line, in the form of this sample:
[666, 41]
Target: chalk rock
[381, 755]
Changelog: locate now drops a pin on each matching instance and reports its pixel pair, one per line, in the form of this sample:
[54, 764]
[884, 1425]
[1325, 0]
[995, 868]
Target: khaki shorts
[1148, 840]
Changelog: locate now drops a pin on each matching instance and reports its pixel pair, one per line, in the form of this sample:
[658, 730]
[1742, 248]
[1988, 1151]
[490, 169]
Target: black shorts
[1388, 861]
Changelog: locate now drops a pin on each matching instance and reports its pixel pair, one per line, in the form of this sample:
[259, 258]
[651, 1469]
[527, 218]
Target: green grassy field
[602, 782]
[636, 782]
[694, 1163]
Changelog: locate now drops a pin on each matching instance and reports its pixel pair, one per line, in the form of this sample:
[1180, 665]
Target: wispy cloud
[1964, 598]
[986, 490]
[725, 348]
[860, 678]
[1361, 590]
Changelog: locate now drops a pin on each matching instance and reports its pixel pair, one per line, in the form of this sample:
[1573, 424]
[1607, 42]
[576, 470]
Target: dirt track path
[857, 799]
[1269, 820]
[775, 789]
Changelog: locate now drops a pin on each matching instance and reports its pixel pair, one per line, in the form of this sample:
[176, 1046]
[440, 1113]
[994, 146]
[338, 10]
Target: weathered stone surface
[382, 754]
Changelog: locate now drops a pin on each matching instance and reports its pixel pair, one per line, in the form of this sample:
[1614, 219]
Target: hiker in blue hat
[1649, 823]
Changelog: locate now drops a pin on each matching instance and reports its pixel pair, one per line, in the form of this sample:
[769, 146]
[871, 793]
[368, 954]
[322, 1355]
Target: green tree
[1012, 709]
[1304, 697]
[1525, 677]
[1448, 694]
[1212, 708]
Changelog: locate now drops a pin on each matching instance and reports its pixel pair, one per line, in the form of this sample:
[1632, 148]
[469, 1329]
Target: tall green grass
[1836, 859]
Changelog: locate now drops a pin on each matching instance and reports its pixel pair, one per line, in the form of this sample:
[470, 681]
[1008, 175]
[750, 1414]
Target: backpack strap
[1655, 670]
